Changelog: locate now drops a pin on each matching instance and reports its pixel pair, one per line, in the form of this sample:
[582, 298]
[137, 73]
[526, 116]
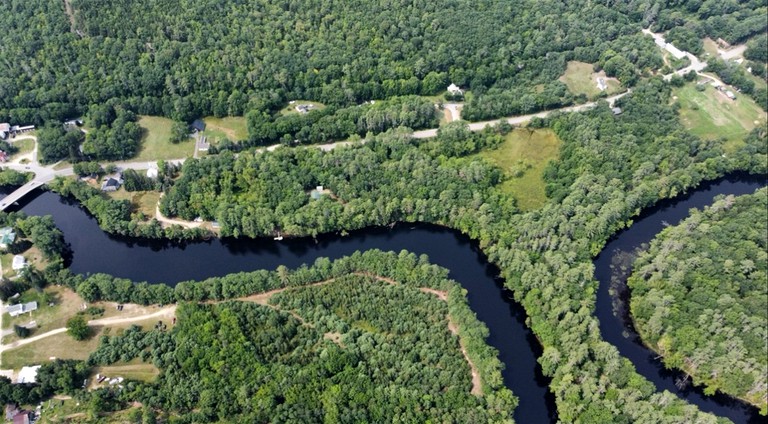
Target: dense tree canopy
[700, 296]
[359, 346]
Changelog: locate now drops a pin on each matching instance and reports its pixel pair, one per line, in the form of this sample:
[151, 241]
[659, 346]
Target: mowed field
[523, 157]
[710, 114]
[581, 79]
[231, 127]
[156, 144]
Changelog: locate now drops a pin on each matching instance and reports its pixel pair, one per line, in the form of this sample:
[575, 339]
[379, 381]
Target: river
[162, 262]
[617, 328]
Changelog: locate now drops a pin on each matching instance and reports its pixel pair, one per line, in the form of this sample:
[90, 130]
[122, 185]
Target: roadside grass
[231, 127]
[710, 46]
[25, 145]
[63, 346]
[523, 157]
[156, 144]
[581, 79]
[291, 107]
[710, 114]
[144, 202]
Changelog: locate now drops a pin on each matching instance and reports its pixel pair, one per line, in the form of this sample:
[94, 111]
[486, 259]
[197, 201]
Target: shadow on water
[163, 262]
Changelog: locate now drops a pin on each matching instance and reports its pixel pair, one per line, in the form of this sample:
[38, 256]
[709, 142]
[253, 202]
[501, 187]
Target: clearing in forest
[710, 114]
[231, 127]
[581, 79]
[156, 141]
[523, 157]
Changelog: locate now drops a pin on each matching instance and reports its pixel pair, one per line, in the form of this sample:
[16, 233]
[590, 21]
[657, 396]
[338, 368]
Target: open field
[231, 127]
[523, 157]
[25, 145]
[63, 346]
[580, 79]
[144, 202]
[710, 114]
[155, 143]
[134, 370]
[710, 47]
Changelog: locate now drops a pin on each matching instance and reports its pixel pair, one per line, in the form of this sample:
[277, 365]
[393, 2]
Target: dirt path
[477, 387]
[70, 14]
[167, 312]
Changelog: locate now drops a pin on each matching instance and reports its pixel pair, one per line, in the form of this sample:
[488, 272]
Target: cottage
[19, 262]
[7, 236]
[21, 308]
[23, 417]
[197, 126]
[730, 95]
[317, 193]
[304, 108]
[5, 130]
[616, 111]
[28, 375]
[455, 90]
[110, 184]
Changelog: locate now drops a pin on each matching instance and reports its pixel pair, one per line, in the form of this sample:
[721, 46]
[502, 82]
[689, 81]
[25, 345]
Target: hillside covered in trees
[700, 299]
[380, 337]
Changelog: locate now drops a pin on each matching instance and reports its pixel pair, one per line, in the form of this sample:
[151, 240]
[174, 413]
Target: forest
[185, 60]
[231, 58]
[356, 339]
[699, 296]
[544, 256]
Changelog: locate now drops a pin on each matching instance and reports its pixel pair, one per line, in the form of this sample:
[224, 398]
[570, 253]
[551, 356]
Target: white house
[20, 308]
[19, 262]
[28, 374]
[454, 89]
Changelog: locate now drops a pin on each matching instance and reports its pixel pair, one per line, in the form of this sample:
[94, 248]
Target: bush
[77, 327]
[20, 331]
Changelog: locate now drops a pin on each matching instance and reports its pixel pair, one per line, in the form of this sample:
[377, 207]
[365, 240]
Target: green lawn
[523, 157]
[231, 127]
[25, 145]
[710, 114]
[581, 79]
[155, 143]
[142, 201]
[63, 346]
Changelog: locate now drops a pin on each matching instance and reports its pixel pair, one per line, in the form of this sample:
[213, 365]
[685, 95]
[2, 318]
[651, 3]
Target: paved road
[522, 119]
[45, 174]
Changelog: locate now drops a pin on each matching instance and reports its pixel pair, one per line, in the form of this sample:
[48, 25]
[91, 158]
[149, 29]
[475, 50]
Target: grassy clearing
[25, 145]
[710, 114]
[156, 144]
[33, 256]
[523, 157]
[144, 202]
[63, 346]
[580, 79]
[66, 303]
[710, 47]
[231, 127]
[133, 370]
[291, 107]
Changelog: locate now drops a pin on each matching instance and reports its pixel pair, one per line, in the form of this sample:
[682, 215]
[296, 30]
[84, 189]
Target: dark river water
[617, 328]
[157, 262]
